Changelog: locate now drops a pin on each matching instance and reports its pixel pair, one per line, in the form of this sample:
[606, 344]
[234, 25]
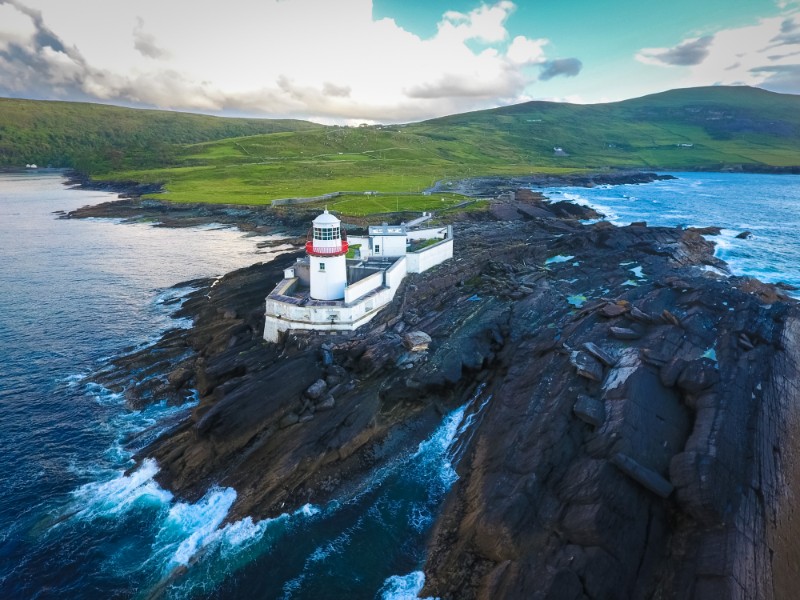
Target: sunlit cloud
[302, 58]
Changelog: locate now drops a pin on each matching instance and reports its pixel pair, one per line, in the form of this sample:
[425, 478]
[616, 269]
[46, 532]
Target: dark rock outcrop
[640, 443]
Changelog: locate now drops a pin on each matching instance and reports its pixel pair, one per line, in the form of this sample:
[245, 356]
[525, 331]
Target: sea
[766, 206]
[78, 519]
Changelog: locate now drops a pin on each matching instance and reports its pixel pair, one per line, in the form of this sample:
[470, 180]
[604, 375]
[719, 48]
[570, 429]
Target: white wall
[424, 259]
[389, 245]
[427, 234]
[394, 275]
[360, 288]
[282, 316]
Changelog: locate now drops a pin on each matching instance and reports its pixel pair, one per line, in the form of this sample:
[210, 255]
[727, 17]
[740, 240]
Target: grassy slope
[97, 137]
[725, 126]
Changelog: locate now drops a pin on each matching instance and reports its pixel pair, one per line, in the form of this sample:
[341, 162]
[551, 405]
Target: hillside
[96, 137]
[695, 128]
[710, 128]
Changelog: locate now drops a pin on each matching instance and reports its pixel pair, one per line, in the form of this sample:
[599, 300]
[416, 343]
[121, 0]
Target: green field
[698, 128]
[359, 205]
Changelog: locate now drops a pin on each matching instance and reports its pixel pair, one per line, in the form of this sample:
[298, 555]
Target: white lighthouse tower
[326, 251]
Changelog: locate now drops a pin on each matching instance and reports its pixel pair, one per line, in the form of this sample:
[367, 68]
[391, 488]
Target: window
[321, 266]
[326, 233]
[377, 249]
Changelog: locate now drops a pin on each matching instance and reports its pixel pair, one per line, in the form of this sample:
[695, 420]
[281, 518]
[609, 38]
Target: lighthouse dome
[326, 219]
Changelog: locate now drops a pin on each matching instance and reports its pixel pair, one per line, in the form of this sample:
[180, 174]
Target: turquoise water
[766, 205]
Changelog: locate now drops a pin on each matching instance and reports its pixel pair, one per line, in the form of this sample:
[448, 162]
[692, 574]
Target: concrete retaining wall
[360, 288]
[394, 275]
[421, 261]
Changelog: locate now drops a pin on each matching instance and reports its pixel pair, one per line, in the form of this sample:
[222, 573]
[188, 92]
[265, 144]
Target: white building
[325, 291]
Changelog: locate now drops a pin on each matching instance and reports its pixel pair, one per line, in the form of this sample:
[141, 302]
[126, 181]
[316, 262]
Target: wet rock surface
[638, 436]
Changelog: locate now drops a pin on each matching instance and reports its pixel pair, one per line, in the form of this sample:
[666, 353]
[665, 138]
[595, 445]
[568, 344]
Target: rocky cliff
[635, 435]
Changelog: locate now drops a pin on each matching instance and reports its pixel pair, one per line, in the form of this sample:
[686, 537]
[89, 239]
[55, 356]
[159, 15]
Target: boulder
[640, 316]
[327, 403]
[705, 230]
[668, 317]
[416, 341]
[589, 410]
[624, 333]
[179, 376]
[316, 389]
[600, 354]
[587, 366]
[744, 235]
[613, 309]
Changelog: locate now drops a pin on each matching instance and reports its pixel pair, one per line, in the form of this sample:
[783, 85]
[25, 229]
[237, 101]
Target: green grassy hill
[96, 137]
[696, 128]
[699, 128]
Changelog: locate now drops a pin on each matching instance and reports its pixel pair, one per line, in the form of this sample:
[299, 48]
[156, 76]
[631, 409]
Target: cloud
[567, 67]
[329, 61]
[764, 54]
[145, 42]
[687, 53]
[484, 24]
[524, 51]
[780, 78]
[331, 89]
[789, 33]
[33, 59]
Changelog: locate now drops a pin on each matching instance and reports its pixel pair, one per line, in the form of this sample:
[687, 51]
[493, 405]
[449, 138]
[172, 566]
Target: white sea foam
[102, 395]
[194, 526]
[73, 380]
[403, 587]
[110, 498]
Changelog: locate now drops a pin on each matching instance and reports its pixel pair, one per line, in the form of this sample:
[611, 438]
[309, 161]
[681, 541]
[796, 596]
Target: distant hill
[694, 128]
[97, 137]
[711, 128]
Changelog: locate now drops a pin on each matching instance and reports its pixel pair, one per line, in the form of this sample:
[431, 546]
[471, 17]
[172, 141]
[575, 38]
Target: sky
[387, 61]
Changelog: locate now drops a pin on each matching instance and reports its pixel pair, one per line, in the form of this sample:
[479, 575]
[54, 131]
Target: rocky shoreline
[265, 219]
[638, 431]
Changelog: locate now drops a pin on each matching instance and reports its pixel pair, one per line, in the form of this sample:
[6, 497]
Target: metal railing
[326, 251]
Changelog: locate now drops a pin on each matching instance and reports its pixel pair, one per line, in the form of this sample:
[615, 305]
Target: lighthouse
[327, 249]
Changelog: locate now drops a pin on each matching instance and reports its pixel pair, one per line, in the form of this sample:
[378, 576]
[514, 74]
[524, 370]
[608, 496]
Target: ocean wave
[112, 497]
[403, 587]
[190, 527]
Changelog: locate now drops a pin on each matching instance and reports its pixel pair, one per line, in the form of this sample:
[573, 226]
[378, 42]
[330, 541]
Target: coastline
[525, 339]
